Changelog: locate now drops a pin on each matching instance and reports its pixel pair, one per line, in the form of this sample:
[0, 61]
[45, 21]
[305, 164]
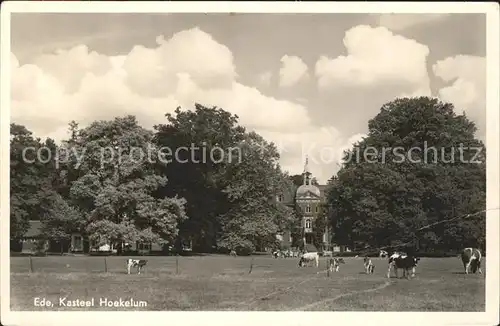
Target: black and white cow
[334, 264]
[383, 254]
[232, 253]
[309, 257]
[401, 260]
[369, 267]
[139, 263]
[471, 258]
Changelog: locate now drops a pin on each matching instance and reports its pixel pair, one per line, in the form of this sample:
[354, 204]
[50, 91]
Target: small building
[34, 242]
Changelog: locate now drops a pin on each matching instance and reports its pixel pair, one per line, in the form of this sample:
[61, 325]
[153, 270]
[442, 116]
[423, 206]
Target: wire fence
[177, 265]
[425, 227]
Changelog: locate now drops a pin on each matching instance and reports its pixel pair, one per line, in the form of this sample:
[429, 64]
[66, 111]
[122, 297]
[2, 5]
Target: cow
[276, 254]
[139, 263]
[334, 264]
[471, 258]
[309, 257]
[383, 254]
[401, 260]
[232, 253]
[369, 267]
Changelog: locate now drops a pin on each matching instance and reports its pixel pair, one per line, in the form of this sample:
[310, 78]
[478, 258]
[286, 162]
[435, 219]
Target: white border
[490, 317]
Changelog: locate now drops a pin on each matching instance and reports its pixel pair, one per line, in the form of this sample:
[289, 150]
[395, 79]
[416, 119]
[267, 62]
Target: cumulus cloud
[70, 66]
[323, 146]
[466, 89]
[397, 22]
[292, 70]
[78, 84]
[376, 56]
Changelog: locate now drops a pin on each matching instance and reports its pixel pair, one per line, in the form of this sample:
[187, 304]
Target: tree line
[231, 204]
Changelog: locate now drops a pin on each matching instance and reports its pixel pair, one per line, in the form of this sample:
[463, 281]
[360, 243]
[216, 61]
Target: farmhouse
[33, 242]
[309, 199]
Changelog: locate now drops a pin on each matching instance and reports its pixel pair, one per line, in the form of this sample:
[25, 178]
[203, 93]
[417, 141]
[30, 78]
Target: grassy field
[224, 283]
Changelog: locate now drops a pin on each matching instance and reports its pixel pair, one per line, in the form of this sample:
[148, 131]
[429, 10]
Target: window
[143, 246]
[308, 208]
[308, 224]
[317, 209]
[280, 198]
[77, 242]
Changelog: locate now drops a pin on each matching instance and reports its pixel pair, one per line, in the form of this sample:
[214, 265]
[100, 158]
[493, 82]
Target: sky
[308, 82]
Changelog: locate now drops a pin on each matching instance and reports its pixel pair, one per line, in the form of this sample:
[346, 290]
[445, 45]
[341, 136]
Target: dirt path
[330, 300]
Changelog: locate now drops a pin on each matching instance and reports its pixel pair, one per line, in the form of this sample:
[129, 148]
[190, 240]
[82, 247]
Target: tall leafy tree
[319, 227]
[116, 191]
[297, 179]
[251, 186]
[31, 179]
[405, 175]
[229, 179]
[61, 221]
[193, 137]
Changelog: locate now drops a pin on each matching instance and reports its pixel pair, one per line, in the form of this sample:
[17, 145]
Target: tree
[230, 179]
[251, 186]
[297, 179]
[116, 192]
[193, 174]
[319, 228]
[297, 229]
[31, 176]
[402, 177]
[61, 221]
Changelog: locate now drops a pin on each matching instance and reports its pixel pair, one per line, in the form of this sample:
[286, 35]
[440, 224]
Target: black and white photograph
[249, 157]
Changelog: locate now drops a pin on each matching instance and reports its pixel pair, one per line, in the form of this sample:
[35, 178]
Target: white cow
[309, 257]
[471, 258]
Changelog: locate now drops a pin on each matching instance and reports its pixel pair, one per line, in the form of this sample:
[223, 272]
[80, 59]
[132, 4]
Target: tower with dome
[309, 200]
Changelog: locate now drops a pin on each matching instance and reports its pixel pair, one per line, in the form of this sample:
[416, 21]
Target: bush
[243, 251]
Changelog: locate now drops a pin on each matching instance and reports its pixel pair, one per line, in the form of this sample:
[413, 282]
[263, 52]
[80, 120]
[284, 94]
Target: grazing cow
[232, 253]
[309, 257]
[139, 263]
[471, 258]
[334, 264]
[276, 254]
[369, 267]
[383, 254]
[400, 260]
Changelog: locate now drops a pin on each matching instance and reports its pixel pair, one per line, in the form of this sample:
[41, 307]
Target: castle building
[309, 199]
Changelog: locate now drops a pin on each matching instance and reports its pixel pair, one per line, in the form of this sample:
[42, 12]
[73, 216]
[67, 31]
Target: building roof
[304, 189]
[34, 229]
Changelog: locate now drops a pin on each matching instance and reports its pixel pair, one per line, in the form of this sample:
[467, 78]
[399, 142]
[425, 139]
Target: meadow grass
[224, 283]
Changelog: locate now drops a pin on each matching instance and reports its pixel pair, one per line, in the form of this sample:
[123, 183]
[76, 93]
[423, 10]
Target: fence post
[31, 265]
[327, 269]
[251, 265]
[105, 265]
[177, 264]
